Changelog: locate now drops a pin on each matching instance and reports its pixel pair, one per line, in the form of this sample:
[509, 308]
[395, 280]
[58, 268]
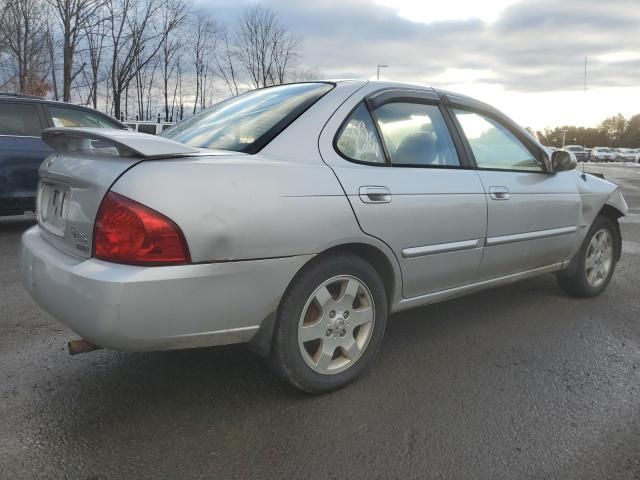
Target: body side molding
[440, 248]
[523, 237]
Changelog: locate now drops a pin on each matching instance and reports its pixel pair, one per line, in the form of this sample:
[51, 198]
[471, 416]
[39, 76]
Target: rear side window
[416, 134]
[19, 119]
[72, 117]
[359, 140]
[248, 122]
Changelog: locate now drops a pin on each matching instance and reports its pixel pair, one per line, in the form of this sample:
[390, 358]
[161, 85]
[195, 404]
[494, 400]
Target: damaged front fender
[617, 201]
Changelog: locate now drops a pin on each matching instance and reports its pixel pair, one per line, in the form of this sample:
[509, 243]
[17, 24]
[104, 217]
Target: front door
[401, 171]
[532, 215]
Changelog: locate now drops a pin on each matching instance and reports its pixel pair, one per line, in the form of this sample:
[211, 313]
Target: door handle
[374, 194]
[499, 193]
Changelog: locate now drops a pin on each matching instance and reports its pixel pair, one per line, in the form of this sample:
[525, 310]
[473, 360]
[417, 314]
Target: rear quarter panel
[246, 207]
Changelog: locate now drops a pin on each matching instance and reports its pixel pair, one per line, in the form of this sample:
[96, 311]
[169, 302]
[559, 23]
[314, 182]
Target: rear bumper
[154, 308]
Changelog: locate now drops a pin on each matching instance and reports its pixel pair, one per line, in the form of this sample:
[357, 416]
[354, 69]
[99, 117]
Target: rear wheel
[330, 324]
[595, 262]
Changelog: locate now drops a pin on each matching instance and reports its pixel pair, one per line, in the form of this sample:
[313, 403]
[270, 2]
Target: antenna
[585, 74]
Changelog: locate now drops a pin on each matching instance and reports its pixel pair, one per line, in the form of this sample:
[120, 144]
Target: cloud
[531, 45]
[521, 46]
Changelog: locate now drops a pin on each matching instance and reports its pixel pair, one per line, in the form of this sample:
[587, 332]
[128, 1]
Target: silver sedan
[298, 217]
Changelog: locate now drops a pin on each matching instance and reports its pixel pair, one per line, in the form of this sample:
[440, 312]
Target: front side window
[493, 145]
[72, 117]
[416, 134]
[19, 119]
[249, 121]
[359, 140]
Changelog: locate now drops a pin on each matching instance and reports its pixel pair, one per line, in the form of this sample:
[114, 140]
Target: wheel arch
[613, 214]
[388, 271]
[375, 257]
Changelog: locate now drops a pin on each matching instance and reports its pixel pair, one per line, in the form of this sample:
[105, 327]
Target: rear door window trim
[377, 99]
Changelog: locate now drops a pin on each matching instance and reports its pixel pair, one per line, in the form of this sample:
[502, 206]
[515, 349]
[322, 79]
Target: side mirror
[561, 161]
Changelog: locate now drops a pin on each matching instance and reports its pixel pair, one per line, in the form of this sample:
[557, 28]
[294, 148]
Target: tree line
[615, 131]
[142, 58]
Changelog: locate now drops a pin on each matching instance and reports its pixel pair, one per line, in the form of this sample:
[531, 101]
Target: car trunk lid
[74, 180]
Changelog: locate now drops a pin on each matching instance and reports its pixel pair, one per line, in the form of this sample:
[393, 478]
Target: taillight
[128, 232]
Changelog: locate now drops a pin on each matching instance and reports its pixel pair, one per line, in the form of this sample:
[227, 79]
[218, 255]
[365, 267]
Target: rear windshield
[248, 122]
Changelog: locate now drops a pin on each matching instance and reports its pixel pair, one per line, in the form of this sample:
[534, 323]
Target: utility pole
[379, 67]
[564, 136]
[585, 74]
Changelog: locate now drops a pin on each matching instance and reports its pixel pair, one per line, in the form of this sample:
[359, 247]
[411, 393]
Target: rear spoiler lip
[128, 143]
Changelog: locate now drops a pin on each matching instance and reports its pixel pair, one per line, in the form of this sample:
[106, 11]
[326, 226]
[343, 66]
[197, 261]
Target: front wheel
[330, 324]
[595, 262]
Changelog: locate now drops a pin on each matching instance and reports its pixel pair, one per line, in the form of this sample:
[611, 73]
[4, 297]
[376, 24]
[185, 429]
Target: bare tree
[177, 104]
[204, 41]
[74, 17]
[174, 15]
[305, 74]
[51, 49]
[136, 39]
[23, 31]
[285, 45]
[265, 48]
[144, 57]
[3, 14]
[144, 83]
[95, 35]
[226, 59]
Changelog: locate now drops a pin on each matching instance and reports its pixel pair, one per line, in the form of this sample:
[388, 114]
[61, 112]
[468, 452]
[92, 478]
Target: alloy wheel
[599, 258]
[336, 324]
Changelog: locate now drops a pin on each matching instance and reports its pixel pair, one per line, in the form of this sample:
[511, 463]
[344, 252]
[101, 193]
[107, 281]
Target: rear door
[21, 153]
[409, 185]
[532, 214]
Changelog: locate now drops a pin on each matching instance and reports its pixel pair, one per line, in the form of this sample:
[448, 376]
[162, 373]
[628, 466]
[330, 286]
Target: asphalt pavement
[516, 382]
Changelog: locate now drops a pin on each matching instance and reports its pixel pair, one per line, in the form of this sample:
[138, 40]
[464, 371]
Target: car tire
[592, 268]
[322, 315]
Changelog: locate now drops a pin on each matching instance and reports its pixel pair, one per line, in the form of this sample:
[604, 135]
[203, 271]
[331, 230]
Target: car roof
[24, 98]
[20, 97]
[418, 86]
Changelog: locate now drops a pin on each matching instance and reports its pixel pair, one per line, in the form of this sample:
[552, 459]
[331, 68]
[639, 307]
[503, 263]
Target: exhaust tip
[81, 345]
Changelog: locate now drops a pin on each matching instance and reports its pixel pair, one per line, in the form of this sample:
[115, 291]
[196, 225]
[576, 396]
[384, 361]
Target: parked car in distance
[303, 219]
[603, 154]
[636, 153]
[579, 151]
[22, 119]
[625, 155]
[152, 128]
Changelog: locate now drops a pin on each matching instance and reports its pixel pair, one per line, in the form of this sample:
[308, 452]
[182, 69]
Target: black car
[22, 119]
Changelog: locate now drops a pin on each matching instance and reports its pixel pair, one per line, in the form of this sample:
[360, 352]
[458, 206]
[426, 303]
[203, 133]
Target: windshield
[248, 122]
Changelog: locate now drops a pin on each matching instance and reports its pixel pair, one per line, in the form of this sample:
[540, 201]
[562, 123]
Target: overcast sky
[526, 57]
